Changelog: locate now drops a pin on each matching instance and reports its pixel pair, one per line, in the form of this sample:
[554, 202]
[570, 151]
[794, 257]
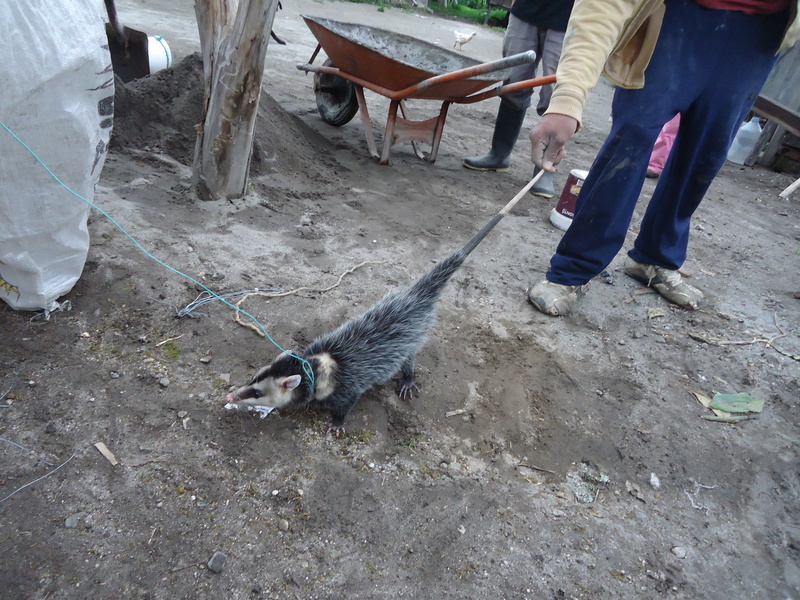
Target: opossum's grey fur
[362, 352]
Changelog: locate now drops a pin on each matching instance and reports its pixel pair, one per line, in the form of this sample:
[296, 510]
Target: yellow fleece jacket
[616, 37]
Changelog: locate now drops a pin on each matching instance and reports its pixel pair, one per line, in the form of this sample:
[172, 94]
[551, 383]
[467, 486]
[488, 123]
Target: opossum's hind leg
[406, 380]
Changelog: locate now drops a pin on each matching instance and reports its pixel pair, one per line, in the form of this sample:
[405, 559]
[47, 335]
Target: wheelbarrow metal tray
[395, 61]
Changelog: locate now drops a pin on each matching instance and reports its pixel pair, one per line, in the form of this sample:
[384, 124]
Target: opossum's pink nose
[230, 399]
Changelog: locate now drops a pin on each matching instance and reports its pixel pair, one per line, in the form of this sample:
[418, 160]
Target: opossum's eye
[257, 394]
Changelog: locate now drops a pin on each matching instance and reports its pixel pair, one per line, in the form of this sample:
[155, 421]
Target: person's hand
[548, 139]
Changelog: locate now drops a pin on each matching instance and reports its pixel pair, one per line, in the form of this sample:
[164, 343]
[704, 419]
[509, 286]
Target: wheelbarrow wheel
[336, 98]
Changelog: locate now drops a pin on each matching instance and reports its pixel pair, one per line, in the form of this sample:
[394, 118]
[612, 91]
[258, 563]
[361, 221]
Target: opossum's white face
[265, 389]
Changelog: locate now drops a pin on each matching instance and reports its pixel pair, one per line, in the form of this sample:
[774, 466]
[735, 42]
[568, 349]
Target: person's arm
[593, 30]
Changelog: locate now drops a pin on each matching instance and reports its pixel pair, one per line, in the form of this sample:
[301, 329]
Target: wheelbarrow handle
[514, 60]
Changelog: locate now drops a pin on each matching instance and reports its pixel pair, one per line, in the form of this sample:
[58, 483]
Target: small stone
[182, 414]
[217, 562]
[226, 377]
[163, 382]
[114, 375]
[678, 551]
[559, 513]
[283, 525]
[654, 481]
[72, 521]
[205, 359]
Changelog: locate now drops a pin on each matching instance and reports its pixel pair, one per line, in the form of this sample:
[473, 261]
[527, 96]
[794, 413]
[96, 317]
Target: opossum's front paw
[336, 425]
[336, 431]
[407, 389]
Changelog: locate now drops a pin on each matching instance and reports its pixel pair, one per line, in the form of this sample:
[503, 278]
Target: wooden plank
[775, 111]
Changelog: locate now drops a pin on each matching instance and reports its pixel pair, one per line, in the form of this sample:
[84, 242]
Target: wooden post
[233, 38]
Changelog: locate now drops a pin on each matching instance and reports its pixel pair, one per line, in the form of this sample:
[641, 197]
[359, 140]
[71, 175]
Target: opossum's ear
[283, 355]
[289, 383]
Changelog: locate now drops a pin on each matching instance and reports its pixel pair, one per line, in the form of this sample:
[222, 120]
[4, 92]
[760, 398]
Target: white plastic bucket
[158, 53]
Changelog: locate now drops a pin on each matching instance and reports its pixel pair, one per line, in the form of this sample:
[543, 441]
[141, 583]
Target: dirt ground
[543, 458]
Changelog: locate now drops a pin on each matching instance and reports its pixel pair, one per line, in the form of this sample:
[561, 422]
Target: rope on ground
[19, 489]
[26, 449]
[275, 294]
[306, 365]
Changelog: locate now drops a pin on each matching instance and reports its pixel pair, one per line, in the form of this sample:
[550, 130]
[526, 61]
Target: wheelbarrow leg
[400, 129]
[388, 137]
[437, 135]
[365, 121]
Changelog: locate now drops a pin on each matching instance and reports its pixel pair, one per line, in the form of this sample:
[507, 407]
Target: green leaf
[736, 403]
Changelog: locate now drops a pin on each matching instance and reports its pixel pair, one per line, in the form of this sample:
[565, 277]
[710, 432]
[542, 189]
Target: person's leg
[550, 49]
[676, 82]
[519, 37]
[738, 66]
[604, 207]
[550, 44]
[663, 146]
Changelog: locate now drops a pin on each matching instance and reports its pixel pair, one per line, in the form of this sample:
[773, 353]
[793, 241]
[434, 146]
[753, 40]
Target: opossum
[364, 351]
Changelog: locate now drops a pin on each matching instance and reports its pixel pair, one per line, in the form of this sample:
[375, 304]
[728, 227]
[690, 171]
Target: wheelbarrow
[400, 68]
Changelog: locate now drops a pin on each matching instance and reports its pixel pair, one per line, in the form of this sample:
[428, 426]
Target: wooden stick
[507, 208]
[785, 193]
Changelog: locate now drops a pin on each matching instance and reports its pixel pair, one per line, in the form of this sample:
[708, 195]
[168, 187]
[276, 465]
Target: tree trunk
[233, 38]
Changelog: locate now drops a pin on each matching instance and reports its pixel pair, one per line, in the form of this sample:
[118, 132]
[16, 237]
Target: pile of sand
[161, 113]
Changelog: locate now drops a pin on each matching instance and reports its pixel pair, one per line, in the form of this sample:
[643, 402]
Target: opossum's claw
[335, 430]
[406, 391]
[336, 424]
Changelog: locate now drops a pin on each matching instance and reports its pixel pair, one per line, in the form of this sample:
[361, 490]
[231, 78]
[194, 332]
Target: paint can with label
[561, 215]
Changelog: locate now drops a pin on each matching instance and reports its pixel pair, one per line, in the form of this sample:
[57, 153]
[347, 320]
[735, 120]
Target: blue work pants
[709, 66]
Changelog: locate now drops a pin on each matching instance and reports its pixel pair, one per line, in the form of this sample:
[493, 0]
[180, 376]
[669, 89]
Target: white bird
[463, 38]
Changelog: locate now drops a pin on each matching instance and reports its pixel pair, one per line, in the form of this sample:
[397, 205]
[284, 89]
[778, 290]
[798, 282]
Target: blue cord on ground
[306, 364]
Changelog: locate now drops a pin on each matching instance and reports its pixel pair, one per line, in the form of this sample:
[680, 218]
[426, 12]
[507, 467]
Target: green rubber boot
[506, 130]
[544, 187]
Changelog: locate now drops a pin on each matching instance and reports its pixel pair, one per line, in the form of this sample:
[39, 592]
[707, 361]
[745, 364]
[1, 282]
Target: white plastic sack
[57, 96]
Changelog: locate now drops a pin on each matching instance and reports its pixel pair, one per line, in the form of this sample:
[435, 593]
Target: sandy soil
[524, 469]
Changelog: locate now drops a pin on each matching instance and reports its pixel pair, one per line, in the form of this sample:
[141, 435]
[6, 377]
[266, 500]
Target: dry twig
[292, 292]
[713, 340]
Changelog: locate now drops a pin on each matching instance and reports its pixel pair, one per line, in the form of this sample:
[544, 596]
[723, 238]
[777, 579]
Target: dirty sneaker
[668, 283]
[555, 299]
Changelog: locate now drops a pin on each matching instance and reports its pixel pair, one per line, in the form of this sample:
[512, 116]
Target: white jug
[744, 142]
